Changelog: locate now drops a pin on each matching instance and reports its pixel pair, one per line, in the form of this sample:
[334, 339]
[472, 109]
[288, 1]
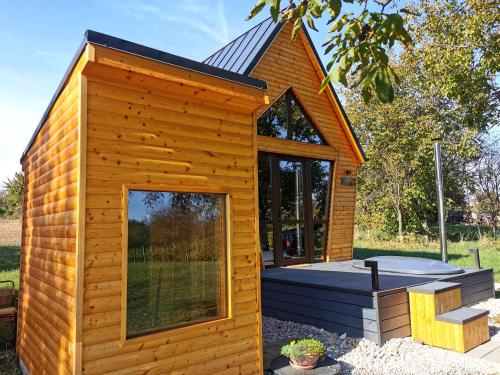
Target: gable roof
[243, 53]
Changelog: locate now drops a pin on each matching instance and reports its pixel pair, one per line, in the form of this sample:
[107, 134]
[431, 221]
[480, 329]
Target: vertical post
[440, 200]
[298, 191]
[475, 254]
[374, 273]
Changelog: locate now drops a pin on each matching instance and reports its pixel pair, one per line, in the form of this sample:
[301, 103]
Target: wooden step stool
[438, 318]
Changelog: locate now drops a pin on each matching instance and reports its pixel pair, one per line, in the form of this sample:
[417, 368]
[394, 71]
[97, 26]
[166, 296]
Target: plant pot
[307, 362]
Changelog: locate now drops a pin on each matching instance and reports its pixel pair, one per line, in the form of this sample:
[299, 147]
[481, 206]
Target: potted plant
[304, 353]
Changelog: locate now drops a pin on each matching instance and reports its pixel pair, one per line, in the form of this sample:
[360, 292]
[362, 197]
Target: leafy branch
[359, 44]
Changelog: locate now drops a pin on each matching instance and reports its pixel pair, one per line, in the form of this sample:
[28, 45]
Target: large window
[286, 119]
[176, 271]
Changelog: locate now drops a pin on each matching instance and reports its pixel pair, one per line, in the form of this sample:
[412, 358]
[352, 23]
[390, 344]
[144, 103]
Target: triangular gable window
[286, 119]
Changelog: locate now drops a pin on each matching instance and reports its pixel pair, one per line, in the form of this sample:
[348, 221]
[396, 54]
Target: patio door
[290, 210]
[293, 208]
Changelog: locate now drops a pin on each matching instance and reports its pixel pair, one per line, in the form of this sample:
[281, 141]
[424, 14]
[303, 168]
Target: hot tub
[411, 265]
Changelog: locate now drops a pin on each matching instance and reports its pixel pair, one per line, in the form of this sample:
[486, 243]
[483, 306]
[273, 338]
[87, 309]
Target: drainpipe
[440, 200]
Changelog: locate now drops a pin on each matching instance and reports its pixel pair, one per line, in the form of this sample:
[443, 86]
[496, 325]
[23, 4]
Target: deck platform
[338, 297]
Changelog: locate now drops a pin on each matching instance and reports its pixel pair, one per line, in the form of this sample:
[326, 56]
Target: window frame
[227, 300]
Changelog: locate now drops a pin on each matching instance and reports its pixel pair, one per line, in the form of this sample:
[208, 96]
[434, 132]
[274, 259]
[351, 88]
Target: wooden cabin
[144, 183]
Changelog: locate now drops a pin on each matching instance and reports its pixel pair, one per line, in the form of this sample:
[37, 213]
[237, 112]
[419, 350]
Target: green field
[458, 252]
[162, 294]
[9, 263]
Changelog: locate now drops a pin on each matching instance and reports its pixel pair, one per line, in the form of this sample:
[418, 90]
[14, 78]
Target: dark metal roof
[94, 37]
[105, 40]
[243, 53]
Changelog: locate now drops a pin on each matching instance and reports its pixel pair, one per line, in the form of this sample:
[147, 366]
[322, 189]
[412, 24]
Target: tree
[487, 184]
[396, 186]
[12, 196]
[359, 42]
[458, 43]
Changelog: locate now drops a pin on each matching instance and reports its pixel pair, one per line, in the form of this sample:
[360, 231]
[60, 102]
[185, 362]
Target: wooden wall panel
[148, 132]
[288, 64]
[47, 297]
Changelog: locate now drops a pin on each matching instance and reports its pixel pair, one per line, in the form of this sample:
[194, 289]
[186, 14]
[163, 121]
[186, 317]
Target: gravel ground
[398, 356]
[494, 316]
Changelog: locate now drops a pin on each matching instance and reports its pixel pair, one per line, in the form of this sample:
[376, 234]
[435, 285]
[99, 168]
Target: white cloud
[207, 18]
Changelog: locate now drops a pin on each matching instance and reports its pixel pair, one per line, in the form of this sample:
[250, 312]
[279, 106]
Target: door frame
[308, 220]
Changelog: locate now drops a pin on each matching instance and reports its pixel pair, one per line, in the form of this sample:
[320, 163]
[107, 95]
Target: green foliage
[459, 45]
[487, 184]
[359, 43]
[11, 197]
[397, 184]
[303, 347]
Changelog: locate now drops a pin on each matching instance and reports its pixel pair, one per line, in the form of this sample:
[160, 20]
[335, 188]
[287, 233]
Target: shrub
[303, 347]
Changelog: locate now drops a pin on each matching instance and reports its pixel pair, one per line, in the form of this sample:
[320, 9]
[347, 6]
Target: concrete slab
[272, 350]
[489, 351]
[493, 356]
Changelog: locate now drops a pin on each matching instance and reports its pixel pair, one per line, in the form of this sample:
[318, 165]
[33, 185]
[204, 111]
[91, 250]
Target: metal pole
[440, 200]
[475, 254]
[298, 191]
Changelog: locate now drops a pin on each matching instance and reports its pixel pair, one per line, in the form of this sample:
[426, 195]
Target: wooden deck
[338, 297]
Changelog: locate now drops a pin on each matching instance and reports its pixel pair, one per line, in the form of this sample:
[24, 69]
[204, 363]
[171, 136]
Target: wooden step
[435, 287]
[438, 318]
[462, 315]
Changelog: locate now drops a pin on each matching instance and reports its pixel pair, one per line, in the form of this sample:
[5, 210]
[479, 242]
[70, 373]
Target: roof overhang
[93, 40]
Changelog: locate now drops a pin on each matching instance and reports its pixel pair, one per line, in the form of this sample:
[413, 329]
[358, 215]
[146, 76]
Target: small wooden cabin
[144, 183]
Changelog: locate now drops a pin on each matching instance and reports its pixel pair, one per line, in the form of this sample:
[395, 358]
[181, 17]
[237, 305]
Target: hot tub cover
[412, 265]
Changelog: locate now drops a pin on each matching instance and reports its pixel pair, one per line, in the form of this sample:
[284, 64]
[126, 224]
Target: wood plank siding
[129, 117]
[292, 64]
[152, 126]
[47, 323]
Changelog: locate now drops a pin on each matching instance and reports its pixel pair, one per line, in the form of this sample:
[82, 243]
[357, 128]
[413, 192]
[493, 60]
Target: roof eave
[93, 37]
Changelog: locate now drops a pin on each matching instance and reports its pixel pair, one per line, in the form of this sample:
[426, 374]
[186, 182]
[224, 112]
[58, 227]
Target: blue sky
[39, 39]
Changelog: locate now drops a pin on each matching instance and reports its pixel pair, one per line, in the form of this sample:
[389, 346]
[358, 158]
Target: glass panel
[302, 129]
[176, 259]
[287, 119]
[265, 211]
[291, 190]
[273, 122]
[320, 179]
[319, 241]
[292, 241]
[266, 243]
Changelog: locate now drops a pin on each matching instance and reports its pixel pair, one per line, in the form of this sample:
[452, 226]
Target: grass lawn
[162, 294]
[458, 254]
[9, 270]
[9, 263]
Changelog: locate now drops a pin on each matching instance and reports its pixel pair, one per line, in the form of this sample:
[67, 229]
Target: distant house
[148, 181]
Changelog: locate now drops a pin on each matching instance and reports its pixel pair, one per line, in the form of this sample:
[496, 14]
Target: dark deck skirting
[338, 297]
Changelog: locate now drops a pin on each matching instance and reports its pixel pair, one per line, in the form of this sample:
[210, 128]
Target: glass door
[293, 208]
